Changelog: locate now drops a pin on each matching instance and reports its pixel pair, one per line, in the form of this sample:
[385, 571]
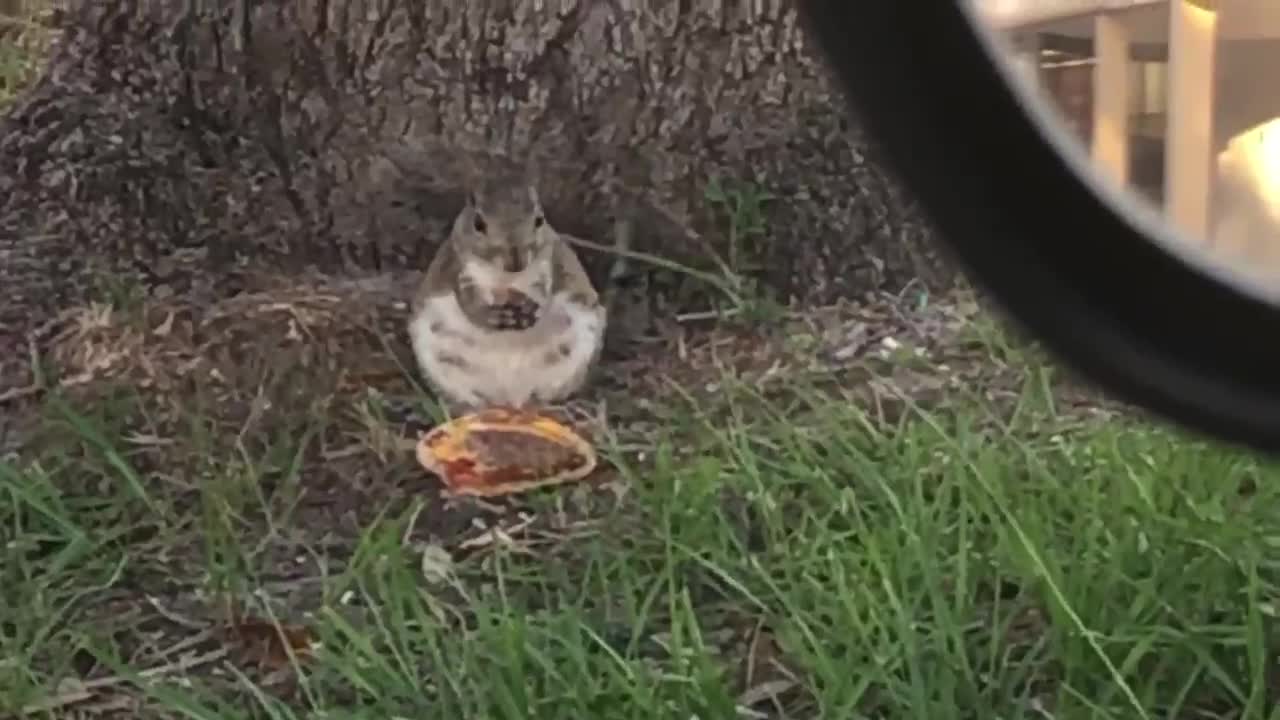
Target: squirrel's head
[502, 226]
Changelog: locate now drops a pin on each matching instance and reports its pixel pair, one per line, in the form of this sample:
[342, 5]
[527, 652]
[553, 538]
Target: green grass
[924, 570]
[950, 565]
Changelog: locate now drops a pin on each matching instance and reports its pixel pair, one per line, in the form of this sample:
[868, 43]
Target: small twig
[708, 315]
[546, 537]
[19, 393]
[495, 535]
[21, 22]
[355, 449]
[191, 661]
[709, 278]
[453, 500]
[86, 690]
[769, 690]
[174, 617]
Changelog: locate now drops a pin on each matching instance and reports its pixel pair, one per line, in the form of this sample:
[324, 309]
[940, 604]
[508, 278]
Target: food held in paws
[503, 451]
[513, 310]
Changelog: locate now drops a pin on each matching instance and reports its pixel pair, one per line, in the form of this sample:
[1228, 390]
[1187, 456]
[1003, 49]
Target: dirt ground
[184, 388]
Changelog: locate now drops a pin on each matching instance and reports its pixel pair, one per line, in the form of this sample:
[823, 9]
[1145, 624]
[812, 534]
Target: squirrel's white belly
[476, 366]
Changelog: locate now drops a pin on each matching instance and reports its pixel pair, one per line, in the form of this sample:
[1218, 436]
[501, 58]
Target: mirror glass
[1173, 103]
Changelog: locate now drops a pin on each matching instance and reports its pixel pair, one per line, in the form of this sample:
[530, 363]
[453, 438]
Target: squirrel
[505, 314]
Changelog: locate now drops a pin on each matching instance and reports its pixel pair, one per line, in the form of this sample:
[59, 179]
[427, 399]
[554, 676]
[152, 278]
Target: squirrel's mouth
[534, 280]
[531, 285]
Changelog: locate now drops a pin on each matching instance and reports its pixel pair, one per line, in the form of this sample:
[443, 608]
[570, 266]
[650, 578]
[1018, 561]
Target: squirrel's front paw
[514, 311]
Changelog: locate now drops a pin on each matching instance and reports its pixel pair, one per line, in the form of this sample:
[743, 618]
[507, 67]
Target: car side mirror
[1108, 172]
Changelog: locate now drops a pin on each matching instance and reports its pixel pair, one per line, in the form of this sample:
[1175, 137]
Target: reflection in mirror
[1171, 99]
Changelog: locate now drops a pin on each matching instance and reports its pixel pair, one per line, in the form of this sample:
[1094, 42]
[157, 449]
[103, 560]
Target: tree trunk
[181, 141]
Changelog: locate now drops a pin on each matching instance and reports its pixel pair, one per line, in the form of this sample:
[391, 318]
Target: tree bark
[181, 140]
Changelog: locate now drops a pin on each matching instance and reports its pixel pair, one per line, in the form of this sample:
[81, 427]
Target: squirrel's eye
[480, 224]
[538, 221]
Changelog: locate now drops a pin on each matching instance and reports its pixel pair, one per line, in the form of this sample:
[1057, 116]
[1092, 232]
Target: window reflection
[1171, 97]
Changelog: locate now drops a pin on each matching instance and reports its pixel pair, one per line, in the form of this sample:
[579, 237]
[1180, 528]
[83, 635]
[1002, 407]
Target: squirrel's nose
[514, 260]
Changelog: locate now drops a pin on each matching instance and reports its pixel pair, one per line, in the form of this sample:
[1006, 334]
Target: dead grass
[25, 39]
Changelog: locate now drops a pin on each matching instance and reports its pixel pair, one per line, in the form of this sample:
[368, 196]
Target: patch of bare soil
[307, 391]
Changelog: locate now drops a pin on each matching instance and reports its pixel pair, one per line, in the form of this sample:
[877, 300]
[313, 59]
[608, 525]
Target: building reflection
[1173, 100]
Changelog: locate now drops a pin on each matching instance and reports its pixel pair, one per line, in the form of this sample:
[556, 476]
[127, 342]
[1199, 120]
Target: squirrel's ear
[473, 198]
[533, 196]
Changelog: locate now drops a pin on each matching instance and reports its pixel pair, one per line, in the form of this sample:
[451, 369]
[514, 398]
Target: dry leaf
[269, 646]
[437, 563]
[503, 451]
